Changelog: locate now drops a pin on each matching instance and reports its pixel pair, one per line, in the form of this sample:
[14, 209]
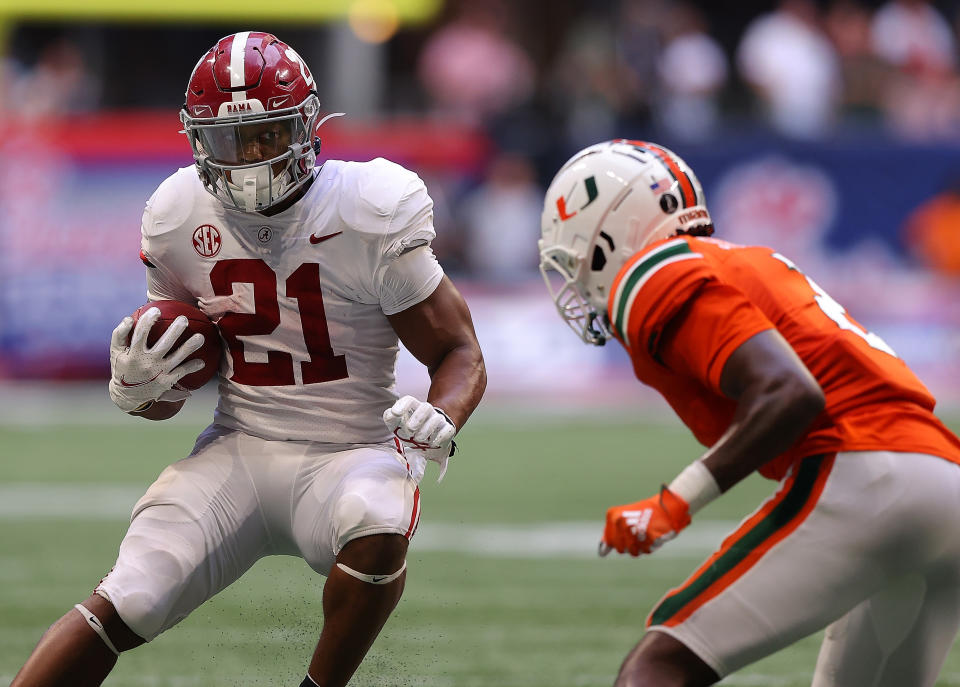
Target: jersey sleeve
[391, 214]
[670, 305]
[412, 222]
[409, 279]
[707, 330]
[651, 288]
[387, 206]
[160, 217]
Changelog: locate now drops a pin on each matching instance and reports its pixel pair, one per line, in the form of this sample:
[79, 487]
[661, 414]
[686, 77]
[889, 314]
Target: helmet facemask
[568, 293]
[254, 160]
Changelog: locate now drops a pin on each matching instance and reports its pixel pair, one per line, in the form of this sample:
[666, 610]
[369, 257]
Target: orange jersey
[683, 305]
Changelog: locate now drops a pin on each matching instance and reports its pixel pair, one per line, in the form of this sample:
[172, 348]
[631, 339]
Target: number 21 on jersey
[304, 286]
[836, 312]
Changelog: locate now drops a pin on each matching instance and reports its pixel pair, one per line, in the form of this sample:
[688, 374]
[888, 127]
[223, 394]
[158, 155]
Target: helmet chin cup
[253, 187]
[596, 331]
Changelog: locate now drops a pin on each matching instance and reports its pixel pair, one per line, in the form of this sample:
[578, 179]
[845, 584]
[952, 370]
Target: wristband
[695, 485]
[445, 417]
[453, 444]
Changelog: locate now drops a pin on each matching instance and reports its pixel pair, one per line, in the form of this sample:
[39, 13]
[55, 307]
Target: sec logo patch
[206, 240]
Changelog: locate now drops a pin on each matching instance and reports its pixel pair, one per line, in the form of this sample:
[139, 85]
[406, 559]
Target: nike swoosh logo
[124, 382]
[378, 578]
[314, 239]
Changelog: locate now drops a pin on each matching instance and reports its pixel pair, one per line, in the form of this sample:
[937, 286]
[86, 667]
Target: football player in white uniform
[312, 274]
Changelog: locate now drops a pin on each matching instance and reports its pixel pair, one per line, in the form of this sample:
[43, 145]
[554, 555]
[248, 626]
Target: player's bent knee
[660, 659]
[148, 592]
[359, 510]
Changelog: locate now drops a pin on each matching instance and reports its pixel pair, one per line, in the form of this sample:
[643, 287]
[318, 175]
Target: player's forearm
[769, 419]
[458, 381]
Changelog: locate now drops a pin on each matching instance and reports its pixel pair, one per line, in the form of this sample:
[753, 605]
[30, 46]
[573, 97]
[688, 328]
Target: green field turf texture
[465, 620]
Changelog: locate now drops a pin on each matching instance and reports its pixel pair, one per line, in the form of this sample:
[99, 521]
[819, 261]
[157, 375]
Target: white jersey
[301, 297]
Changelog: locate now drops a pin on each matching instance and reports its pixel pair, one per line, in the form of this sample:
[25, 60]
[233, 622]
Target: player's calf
[363, 588]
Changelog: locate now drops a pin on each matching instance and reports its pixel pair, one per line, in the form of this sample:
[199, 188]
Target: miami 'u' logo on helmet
[591, 185]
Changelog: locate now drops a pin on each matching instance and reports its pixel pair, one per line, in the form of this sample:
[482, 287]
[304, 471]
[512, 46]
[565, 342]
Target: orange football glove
[644, 526]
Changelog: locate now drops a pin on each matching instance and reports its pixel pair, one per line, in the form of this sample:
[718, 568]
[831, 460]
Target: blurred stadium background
[828, 129]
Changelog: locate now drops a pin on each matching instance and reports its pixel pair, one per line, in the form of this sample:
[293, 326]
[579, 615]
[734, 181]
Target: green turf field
[503, 588]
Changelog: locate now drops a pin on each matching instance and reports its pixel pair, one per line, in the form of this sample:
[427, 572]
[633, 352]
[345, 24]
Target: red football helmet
[251, 117]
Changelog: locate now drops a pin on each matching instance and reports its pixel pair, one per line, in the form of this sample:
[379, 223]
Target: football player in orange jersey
[771, 374]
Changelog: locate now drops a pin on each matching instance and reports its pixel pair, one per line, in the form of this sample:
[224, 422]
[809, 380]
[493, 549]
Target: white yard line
[42, 404]
[38, 501]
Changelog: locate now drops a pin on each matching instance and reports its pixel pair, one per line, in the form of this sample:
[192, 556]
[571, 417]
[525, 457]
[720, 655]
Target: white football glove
[140, 374]
[422, 428]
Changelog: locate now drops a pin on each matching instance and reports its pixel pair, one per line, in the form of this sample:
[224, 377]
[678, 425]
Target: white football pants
[867, 543]
[209, 517]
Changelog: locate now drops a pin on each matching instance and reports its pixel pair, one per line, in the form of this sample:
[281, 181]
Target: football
[198, 322]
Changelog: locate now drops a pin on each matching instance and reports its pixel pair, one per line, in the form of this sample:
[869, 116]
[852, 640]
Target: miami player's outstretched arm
[439, 332]
[777, 399]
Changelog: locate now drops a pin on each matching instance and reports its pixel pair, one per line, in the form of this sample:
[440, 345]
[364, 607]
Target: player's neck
[288, 202]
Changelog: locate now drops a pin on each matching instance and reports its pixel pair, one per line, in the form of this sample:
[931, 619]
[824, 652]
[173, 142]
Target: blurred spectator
[924, 106]
[692, 70]
[448, 245]
[472, 68]
[589, 86]
[793, 68]
[931, 231]
[502, 220]
[913, 36]
[640, 27]
[923, 96]
[58, 83]
[865, 76]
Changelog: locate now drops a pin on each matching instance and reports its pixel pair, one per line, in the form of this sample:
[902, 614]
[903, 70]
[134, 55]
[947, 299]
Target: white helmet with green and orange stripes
[608, 202]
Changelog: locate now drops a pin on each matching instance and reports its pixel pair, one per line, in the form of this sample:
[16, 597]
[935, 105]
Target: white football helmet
[605, 204]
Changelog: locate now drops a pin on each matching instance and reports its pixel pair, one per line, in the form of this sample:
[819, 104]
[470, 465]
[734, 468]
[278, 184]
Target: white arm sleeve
[409, 279]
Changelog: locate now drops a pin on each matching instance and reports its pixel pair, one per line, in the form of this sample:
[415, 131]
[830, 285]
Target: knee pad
[378, 510]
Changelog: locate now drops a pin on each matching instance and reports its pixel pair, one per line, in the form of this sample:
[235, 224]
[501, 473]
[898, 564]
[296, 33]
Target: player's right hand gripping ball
[161, 352]
[421, 427]
[644, 526]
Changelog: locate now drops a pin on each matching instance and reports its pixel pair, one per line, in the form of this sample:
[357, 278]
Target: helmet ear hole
[599, 259]
[669, 203]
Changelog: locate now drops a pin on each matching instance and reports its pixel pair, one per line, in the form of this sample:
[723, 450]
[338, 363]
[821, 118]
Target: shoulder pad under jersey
[653, 285]
[381, 198]
[172, 202]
